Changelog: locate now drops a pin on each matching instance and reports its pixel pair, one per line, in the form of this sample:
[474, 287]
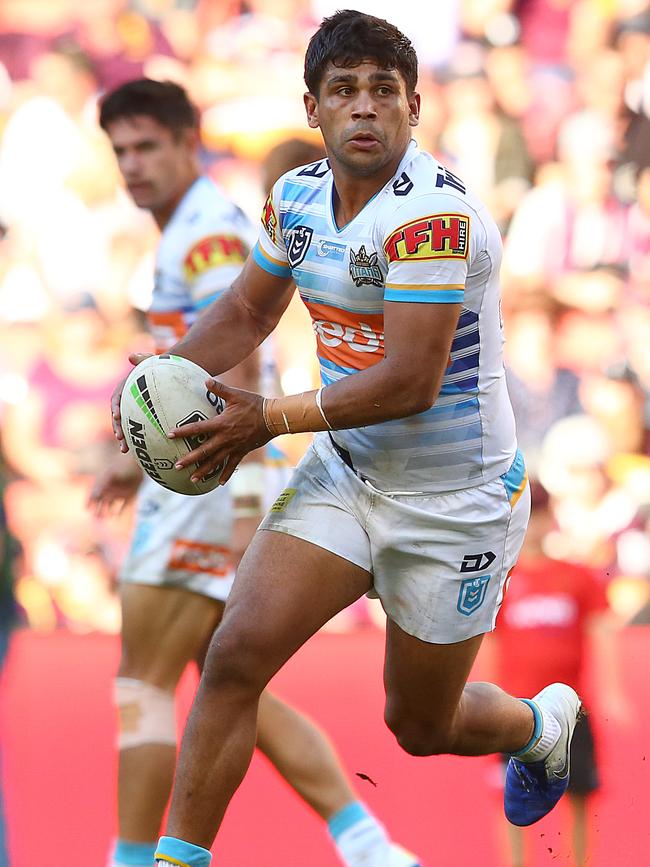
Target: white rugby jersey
[423, 238]
[201, 251]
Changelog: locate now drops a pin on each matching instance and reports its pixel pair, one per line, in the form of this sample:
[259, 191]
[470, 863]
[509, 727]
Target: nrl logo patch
[364, 268]
[299, 244]
[472, 594]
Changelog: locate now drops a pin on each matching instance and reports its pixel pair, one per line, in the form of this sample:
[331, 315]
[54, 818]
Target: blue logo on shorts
[472, 594]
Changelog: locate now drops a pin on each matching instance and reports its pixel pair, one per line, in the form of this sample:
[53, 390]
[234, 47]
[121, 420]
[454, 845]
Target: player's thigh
[286, 589]
[423, 681]
[163, 628]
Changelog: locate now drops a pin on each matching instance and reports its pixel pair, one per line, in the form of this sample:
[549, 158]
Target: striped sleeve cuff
[268, 263]
[447, 293]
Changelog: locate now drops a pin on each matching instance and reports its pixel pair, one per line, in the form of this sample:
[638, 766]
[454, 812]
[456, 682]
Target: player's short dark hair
[349, 37]
[165, 102]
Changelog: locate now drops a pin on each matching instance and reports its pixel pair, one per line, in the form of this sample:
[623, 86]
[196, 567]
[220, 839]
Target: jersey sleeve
[270, 252]
[428, 244]
[212, 263]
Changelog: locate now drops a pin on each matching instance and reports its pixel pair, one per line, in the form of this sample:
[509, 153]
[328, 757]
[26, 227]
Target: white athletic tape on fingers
[147, 714]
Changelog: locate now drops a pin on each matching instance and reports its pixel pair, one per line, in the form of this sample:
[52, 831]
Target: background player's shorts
[584, 778]
[181, 541]
[439, 561]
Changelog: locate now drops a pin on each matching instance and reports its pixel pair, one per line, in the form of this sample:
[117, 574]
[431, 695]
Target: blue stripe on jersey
[277, 270]
[463, 364]
[440, 296]
[205, 302]
[297, 193]
[403, 440]
[467, 317]
[468, 384]
[325, 362]
[464, 341]
[514, 478]
[326, 378]
[455, 410]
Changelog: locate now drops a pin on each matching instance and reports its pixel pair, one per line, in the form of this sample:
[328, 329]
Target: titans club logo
[364, 268]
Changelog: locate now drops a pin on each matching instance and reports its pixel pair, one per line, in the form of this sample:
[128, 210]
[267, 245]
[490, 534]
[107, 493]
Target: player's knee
[234, 663]
[146, 714]
[419, 737]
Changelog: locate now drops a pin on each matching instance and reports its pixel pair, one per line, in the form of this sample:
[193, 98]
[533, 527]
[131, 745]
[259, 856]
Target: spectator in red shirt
[551, 609]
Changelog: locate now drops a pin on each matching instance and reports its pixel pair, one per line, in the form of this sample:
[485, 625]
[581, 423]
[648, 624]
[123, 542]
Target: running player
[184, 550]
[413, 488]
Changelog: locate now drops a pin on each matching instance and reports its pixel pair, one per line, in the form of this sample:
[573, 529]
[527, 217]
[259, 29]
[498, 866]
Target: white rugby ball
[161, 393]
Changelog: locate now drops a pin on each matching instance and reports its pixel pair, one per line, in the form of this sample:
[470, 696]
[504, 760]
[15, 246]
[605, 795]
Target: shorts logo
[364, 268]
[269, 219]
[438, 236]
[299, 244]
[330, 250]
[472, 594]
[190, 556]
[477, 562]
[283, 500]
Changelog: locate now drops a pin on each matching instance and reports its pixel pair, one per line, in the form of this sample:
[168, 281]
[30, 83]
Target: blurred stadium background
[543, 106]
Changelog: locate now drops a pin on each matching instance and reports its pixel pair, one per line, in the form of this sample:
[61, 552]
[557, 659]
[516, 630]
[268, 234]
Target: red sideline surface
[59, 766]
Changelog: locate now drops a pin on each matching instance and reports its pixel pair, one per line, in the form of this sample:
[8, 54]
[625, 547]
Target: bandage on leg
[146, 714]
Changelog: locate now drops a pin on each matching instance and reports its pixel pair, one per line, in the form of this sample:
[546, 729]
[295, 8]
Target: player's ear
[414, 109]
[191, 137]
[311, 107]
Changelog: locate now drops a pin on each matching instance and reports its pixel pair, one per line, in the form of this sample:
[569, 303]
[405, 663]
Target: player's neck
[165, 212]
[352, 193]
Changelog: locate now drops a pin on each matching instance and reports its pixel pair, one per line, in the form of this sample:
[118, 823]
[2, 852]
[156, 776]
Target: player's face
[365, 115]
[156, 165]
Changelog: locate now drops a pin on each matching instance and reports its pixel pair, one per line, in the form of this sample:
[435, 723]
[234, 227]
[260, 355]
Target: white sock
[360, 839]
[546, 734]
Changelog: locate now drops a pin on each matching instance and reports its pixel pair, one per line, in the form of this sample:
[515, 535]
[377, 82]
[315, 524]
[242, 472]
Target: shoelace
[526, 773]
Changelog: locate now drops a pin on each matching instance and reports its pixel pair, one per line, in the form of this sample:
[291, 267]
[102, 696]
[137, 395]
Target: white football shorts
[181, 541]
[440, 562]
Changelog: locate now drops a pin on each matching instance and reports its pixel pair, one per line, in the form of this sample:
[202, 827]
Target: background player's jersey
[423, 238]
[542, 626]
[201, 251]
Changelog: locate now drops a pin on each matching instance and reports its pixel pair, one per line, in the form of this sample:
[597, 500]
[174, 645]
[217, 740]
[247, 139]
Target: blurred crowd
[542, 106]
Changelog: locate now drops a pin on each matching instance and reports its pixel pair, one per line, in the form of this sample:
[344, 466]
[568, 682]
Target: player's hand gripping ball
[161, 393]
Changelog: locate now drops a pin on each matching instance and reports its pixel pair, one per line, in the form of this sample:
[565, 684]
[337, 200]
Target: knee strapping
[146, 714]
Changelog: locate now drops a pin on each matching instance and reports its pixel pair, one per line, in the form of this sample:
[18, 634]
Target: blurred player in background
[185, 549]
[413, 487]
[551, 612]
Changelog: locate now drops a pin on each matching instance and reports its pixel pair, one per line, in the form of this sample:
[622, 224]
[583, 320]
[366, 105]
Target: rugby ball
[161, 393]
